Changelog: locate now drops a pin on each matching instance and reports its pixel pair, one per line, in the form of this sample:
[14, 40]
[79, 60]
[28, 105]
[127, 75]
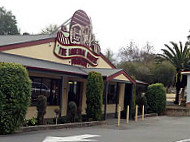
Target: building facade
[59, 63]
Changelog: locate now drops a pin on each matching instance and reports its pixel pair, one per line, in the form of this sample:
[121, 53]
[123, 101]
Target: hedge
[94, 95]
[156, 97]
[15, 91]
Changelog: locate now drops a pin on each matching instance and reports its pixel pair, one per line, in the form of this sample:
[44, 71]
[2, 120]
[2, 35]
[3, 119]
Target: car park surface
[154, 129]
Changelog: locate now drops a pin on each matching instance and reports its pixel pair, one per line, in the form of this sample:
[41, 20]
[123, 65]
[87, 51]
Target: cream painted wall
[46, 52]
[121, 77]
[32, 112]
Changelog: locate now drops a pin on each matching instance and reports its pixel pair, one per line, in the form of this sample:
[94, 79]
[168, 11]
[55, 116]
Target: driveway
[154, 129]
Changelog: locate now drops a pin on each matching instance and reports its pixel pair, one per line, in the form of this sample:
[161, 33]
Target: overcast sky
[115, 22]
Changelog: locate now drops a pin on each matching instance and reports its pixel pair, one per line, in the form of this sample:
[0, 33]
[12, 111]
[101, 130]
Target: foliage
[110, 56]
[30, 122]
[156, 97]
[164, 73]
[94, 93]
[134, 93]
[15, 91]
[49, 29]
[144, 65]
[179, 56]
[132, 53]
[41, 108]
[138, 62]
[72, 111]
[7, 23]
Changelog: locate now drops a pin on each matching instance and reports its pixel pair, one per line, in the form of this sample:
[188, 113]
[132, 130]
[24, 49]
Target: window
[47, 87]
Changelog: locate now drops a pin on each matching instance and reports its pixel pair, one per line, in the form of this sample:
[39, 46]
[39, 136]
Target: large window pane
[47, 87]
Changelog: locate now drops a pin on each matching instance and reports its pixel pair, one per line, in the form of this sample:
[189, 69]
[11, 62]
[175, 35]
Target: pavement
[153, 129]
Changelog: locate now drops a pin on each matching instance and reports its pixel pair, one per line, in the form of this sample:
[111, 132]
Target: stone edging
[60, 126]
[149, 115]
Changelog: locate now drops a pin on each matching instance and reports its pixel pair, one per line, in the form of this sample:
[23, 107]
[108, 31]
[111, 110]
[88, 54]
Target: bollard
[143, 112]
[136, 113]
[119, 115]
[127, 115]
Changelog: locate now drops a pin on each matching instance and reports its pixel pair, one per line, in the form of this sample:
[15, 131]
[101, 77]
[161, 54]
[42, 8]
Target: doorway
[75, 93]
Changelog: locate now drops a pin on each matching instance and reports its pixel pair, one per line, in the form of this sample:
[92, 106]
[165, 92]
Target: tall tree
[110, 56]
[7, 23]
[179, 56]
[49, 29]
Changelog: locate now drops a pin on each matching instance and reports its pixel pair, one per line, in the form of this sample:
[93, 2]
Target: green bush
[94, 93]
[62, 120]
[15, 91]
[156, 97]
[72, 111]
[30, 122]
[41, 108]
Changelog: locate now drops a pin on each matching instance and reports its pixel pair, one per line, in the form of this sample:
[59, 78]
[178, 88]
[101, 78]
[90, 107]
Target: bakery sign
[78, 43]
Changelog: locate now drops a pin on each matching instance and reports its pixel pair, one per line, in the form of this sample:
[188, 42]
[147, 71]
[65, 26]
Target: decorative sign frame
[78, 44]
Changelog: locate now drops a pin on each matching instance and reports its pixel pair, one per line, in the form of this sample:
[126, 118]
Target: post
[56, 120]
[127, 115]
[61, 95]
[119, 115]
[117, 99]
[143, 112]
[136, 113]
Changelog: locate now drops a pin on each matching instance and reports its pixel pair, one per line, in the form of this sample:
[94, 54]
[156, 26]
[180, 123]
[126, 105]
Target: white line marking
[186, 140]
[77, 138]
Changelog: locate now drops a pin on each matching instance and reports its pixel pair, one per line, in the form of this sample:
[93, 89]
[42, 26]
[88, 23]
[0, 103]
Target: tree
[15, 91]
[179, 56]
[7, 23]
[132, 53]
[49, 29]
[109, 55]
[137, 62]
[94, 95]
[143, 64]
[164, 73]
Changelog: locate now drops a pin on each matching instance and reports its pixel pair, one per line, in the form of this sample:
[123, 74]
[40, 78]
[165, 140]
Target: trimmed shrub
[94, 93]
[156, 97]
[41, 108]
[15, 92]
[72, 111]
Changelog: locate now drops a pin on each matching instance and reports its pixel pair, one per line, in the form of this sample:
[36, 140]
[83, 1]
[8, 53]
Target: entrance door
[75, 93]
[128, 97]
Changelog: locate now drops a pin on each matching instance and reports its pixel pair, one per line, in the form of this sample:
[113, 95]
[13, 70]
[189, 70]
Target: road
[154, 129]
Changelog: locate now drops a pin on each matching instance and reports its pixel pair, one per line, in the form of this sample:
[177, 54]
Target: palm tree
[179, 56]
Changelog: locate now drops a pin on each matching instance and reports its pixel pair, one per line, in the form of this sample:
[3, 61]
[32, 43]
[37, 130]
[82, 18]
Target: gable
[45, 51]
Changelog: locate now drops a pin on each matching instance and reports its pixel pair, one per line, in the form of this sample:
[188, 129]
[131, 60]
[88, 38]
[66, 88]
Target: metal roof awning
[44, 65]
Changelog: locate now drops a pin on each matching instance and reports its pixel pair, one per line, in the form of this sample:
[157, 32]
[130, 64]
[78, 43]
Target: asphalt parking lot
[154, 129]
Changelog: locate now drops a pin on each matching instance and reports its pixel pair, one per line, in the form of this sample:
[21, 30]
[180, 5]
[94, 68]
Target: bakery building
[59, 63]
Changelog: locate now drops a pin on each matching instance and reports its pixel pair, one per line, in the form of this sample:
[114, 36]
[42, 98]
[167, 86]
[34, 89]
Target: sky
[115, 22]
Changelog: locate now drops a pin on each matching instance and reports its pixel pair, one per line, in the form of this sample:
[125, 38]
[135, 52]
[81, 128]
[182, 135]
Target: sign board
[78, 43]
